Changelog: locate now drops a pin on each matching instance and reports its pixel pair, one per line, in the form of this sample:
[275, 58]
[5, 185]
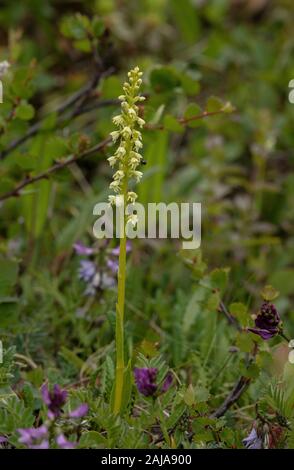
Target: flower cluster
[267, 322]
[145, 379]
[100, 275]
[253, 440]
[127, 157]
[38, 438]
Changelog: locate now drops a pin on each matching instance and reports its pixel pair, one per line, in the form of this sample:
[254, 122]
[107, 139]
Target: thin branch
[81, 94]
[186, 121]
[58, 166]
[231, 319]
[238, 389]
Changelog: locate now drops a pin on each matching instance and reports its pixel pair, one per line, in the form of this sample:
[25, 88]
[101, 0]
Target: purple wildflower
[80, 411]
[87, 270]
[34, 438]
[266, 322]
[145, 379]
[253, 441]
[113, 265]
[3, 439]
[64, 443]
[54, 400]
[81, 249]
[115, 251]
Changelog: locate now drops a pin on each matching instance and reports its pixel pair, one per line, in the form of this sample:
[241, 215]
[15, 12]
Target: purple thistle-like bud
[34, 438]
[54, 400]
[82, 249]
[267, 322]
[80, 411]
[64, 443]
[253, 441]
[145, 380]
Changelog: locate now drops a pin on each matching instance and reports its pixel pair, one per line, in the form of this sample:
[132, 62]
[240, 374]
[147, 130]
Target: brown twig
[80, 96]
[239, 388]
[186, 121]
[58, 166]
[231, 319]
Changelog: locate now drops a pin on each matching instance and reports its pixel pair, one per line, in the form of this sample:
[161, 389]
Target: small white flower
[127, 132]
[121, 151]
[111, 200]
[115, 135]
[118, 120]
[115, 185]
[132, 219]
[138, 144]
[4, 66]
[112, 161]
[132, 113]
[141, 122]
[132, 196]
[118, 175]
[137, 175]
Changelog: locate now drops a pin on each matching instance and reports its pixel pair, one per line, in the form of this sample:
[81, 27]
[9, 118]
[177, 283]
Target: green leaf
[172, 124]
[269, 293]
[219, 278]
[164, 79]
[24, 111]
[186, 18]
[83, 45]
[111, 88]
[239, 311]
[214, 104]
[75, 26]
[189, 396]
[193, 111]
[189, 85]
[92, 440]
[8, 276]
[98, 26]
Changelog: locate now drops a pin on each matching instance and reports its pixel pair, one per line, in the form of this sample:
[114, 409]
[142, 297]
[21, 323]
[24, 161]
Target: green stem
[282, 334]
[120, 307]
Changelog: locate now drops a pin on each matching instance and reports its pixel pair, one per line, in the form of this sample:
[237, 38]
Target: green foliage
[219, 131]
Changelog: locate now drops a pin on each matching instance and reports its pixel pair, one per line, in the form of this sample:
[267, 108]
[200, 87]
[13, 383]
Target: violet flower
[64, 443]
[115, 251]
[54, 400]
[34, 438]
[145, 379]
[81, 249]
[267, 322]
[253, 441]
[80, 411]
[87, 270]
[113, 265]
